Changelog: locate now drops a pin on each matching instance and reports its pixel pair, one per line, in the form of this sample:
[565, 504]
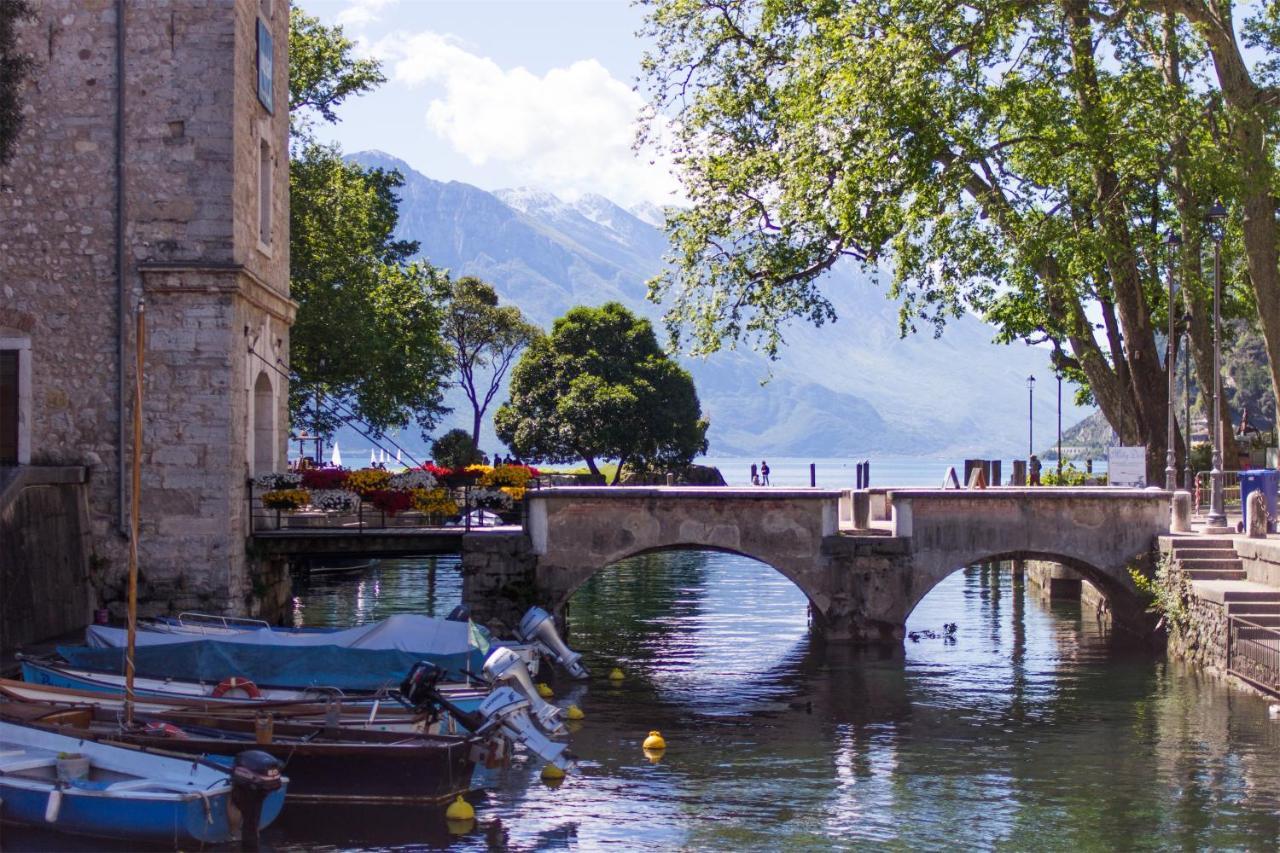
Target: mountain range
[846, 389]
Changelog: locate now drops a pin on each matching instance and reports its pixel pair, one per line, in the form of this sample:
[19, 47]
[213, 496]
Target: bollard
[813, 476]
[1019, 475]
[866, 473]
[1180, 519]
[1255, 515]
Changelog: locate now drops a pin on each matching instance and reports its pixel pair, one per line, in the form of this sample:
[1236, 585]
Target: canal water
[1030, 729]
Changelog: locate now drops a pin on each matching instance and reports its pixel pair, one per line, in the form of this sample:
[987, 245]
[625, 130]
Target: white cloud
[362, 12]
[569, 131]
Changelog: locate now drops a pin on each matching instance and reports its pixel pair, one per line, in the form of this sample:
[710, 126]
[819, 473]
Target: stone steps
[1266, 620]
[1255, 608]
[1217, 574]
[1203, 553]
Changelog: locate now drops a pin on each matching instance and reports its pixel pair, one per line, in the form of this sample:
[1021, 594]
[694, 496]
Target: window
[264, 193]
[9, 407]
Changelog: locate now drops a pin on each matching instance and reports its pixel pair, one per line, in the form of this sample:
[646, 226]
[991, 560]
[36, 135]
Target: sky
[504, 93]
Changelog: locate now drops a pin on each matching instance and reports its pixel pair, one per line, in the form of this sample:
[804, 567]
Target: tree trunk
[475, 427]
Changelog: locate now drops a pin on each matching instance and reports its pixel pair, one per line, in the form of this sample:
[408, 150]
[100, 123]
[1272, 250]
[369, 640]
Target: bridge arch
[576, 532]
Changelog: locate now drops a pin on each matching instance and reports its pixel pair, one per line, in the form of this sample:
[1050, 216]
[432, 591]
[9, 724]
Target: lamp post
[1217, 519]
[1173, 241]
[1031, 387]
[1058, 373]
[1186, 408]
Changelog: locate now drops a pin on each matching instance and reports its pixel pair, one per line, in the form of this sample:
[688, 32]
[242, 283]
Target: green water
[1032, 730]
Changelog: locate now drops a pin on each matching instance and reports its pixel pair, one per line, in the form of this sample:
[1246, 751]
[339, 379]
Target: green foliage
[322, 73]
[1019, 160]
[600, 387]
[455, 449]
[368, 326]
[1201, 456]
[1070, 476]
[484, 338]
[13, 70]
[1169, 591]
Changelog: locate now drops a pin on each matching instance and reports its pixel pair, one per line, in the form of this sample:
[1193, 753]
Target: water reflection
[1031, 730]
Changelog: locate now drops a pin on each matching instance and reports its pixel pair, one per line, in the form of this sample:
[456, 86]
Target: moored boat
[85, 787]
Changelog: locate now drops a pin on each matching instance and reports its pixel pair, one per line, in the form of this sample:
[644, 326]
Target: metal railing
[1253, 653]
[1230, 491]
[367, 517]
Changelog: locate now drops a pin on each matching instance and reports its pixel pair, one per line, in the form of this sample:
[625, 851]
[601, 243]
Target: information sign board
[1127, 466]
[266, 67]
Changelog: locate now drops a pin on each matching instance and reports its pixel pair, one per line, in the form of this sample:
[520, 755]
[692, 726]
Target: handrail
[1254, 658]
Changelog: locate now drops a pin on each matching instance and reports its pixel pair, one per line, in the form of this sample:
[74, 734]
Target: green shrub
[454, 450]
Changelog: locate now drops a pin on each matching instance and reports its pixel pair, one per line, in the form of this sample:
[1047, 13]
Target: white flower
[412, 479]
[491, 499]
[335, 499]
[277, 480]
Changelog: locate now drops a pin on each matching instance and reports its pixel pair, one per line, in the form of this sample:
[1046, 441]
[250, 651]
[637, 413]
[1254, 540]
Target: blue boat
[70, 785]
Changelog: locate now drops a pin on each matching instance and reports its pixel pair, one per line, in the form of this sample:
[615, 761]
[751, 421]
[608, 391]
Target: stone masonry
[205, 245]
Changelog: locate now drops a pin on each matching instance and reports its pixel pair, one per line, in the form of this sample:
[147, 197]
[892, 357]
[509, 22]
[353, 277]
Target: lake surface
[1032, 730]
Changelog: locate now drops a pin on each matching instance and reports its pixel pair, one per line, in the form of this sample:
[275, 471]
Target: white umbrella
[336, 458]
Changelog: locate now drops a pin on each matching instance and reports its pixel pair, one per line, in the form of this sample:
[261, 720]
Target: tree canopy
[600, 387]
[367, 332]
[13, 70]
[484, 339]
[1025, 161]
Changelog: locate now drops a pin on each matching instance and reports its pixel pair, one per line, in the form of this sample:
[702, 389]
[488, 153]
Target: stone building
[152, 166]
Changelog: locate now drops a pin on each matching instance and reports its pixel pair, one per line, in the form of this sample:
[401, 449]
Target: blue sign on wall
[266, 67]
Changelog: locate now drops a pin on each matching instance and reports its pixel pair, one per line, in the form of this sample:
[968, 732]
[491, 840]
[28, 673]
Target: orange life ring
[234, 682]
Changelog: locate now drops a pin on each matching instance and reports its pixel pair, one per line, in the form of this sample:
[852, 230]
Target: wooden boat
[327, 764]
[118, 792]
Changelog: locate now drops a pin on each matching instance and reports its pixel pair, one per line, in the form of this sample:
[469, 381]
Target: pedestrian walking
[755, 475]
[764, 473]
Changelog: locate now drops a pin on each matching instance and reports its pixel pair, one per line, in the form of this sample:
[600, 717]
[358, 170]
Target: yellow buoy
[615, 674]
[460, 809]
[551, 773]
[573, 712]
[459, 827]
[654, 741]
[544, 690]
[654, 755]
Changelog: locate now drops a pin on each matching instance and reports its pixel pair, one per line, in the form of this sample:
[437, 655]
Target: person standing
[764, 473]
[1033, 469]
[755, 476]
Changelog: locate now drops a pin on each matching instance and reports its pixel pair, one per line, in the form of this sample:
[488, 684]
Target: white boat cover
[405, 632]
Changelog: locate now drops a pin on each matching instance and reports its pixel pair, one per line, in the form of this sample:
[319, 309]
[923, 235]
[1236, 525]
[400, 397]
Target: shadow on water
[1029, 729]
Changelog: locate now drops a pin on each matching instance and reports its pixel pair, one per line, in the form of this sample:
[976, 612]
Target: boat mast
[134, 501]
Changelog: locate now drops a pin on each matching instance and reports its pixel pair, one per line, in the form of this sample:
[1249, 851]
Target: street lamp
[1031, 387]
[1058, 373]
[1186, 407]
[1217, 520]
[1173, 241]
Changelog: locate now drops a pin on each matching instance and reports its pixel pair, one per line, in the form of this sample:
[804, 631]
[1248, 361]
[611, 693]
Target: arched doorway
[264, 425]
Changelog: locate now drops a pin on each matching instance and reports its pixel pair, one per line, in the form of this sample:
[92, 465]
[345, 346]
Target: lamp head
[1031, 383]
[1172, 238]
[1216, 213]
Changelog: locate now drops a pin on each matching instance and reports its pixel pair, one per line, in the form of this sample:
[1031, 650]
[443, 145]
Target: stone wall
[1261, 559]
[499, 579]
[216, 292]
[1202, 638]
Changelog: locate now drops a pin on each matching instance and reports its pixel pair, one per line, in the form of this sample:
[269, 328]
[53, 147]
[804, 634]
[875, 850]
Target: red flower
[390, 501]
[324, 478]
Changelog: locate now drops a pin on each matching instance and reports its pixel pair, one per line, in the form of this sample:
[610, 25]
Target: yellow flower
[367, 480]
[286, 499]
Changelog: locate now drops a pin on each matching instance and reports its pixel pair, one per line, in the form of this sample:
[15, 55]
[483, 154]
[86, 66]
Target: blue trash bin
[1268, 481]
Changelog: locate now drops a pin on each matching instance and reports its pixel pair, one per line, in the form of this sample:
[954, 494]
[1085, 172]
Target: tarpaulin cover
[271, 665]
[405, 632]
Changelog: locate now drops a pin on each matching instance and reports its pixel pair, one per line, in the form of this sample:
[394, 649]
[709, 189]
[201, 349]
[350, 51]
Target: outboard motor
[539, 628]
[504, 713]
[254, 774]
[504, 667]
[461, 613]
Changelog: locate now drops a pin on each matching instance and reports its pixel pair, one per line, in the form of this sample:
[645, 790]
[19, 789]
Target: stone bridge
[861, 583]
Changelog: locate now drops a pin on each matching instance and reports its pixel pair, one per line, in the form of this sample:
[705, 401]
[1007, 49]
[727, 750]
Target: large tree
[484, 338]
[13, 70]
[367, 335]
[600, 387]
[1009, 158]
